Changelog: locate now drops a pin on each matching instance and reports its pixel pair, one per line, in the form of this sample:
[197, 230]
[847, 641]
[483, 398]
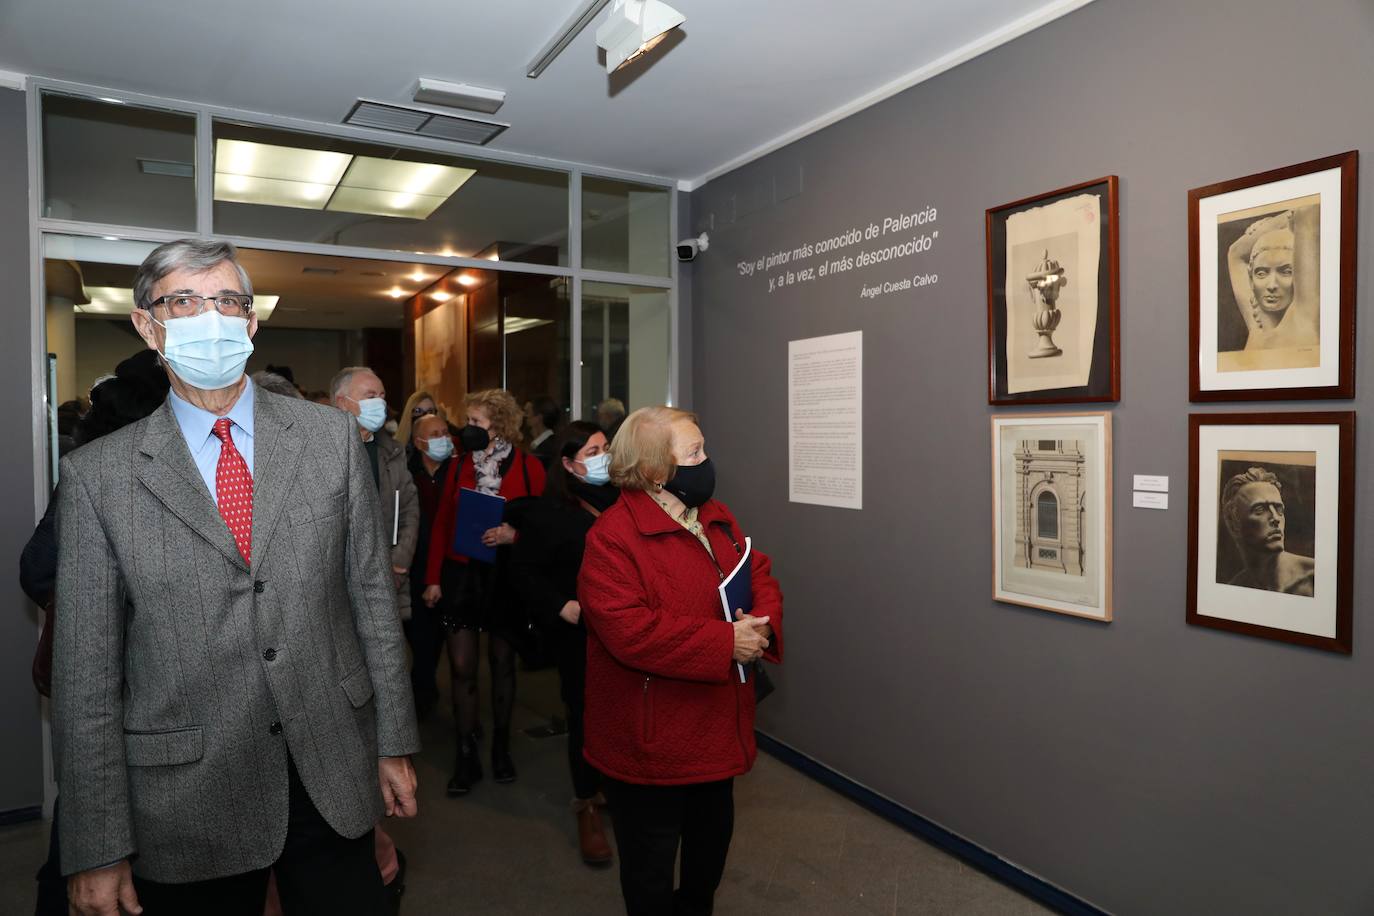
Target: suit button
[274, 728]
[259, 586]
[270, 655]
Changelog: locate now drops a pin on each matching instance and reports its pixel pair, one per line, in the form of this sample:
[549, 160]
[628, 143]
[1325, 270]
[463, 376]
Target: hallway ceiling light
[117, 300]
[459, 95]
[396, 293]
[388, 187]
[516, 325]
[440, 295]
[467, 279]
[278, 176]
[633, 28]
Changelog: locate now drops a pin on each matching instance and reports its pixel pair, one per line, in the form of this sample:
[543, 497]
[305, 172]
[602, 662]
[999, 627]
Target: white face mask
[598, 470]
[371, 413]
[207, 351]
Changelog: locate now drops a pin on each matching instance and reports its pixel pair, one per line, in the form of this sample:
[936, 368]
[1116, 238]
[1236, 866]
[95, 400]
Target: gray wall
[21, 764]
[1144, 765]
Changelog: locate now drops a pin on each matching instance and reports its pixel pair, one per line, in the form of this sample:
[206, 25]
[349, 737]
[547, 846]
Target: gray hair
[613, 408]
[343, 378]
[277, 384]
[196, 255]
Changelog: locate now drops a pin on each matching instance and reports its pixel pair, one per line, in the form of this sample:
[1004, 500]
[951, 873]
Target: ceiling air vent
[422, 122]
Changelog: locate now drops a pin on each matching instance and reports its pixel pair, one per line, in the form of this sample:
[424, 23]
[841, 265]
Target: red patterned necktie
[234, 490]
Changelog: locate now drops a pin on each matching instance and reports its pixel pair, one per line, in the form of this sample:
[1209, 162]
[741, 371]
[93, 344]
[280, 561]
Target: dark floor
[798, 848]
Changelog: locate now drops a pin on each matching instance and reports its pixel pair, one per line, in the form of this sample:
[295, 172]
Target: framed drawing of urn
[1053, 297]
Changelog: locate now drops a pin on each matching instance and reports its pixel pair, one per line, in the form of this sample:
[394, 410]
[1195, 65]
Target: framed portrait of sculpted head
[1052, 512]
[1272, 284]
[1271, 509]
[1053, 289]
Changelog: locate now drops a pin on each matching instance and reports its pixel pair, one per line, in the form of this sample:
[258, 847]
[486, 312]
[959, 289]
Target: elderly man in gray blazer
[229, 686]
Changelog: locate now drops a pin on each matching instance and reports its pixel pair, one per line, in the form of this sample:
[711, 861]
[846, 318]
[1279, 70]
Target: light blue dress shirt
[197, 428]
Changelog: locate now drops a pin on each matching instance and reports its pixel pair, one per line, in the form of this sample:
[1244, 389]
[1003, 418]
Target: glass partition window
[120, 164]
[625, 227]
[303, 187]
[626, 344]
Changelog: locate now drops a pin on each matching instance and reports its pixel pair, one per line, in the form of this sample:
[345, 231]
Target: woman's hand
[766, 629]
[432, 595]
[501, 536]
[749, 639]
[571, 612]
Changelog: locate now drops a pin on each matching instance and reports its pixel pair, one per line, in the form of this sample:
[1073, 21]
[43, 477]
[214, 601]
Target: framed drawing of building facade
[1053, 290]
[1271, 268]
[1052, 517]
[1271, 525]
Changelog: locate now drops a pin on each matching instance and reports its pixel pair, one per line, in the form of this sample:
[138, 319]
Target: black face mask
[473, 438]
[693, 484]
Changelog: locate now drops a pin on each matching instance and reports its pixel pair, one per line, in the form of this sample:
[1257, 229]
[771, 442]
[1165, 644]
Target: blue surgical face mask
[439, 448]
[598, 470]
[207, 351]
[371, 413]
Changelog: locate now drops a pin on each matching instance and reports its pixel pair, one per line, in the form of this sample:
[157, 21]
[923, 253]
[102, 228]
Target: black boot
[502, 767]
[467, 769]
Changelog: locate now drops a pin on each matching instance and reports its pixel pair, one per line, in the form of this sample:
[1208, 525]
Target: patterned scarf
[488, 466]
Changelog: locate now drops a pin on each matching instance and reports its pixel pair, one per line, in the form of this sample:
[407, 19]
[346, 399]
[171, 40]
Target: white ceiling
[743, 78]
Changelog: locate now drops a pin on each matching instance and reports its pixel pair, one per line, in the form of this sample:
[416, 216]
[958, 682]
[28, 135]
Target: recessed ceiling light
[396, 293]
[440, 295]
[467, 279]
[418, 277]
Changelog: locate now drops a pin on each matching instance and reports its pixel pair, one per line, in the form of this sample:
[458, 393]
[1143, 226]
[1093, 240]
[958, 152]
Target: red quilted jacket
[664, 701]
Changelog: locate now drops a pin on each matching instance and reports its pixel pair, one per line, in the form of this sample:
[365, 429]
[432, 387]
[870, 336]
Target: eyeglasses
[418, 412]
[186, 306]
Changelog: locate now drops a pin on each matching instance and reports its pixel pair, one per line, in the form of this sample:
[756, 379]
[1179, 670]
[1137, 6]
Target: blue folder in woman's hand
[478, 512]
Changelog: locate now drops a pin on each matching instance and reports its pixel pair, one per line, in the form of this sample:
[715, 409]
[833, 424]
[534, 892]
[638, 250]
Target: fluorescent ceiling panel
[278, 176]
[116, 300]
[387, 187]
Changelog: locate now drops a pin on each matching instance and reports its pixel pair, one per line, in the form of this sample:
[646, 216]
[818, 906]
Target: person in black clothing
[542, 416]
[432, 448]
[545, 565]
[138, 387]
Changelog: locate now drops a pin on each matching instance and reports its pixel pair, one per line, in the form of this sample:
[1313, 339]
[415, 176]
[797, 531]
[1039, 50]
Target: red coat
[446, 518]
[664, 705]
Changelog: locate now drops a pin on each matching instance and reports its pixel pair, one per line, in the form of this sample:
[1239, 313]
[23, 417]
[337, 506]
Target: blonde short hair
[406, 424]
[501, 408]
[642, 453]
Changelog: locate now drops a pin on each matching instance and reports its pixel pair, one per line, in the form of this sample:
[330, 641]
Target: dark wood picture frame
[1345, 525]
[1348, 163]
[1104, 381]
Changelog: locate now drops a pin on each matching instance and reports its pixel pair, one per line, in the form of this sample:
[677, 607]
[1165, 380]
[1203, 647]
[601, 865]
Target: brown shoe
[591, 836]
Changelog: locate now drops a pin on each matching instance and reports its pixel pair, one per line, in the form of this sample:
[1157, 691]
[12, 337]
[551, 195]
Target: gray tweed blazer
[182, 677]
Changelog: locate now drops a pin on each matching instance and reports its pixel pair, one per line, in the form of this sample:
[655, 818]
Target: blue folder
[737, 592]
[477, 512]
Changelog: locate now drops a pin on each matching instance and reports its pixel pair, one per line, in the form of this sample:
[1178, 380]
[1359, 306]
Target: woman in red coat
[474, 596]
[667, 720]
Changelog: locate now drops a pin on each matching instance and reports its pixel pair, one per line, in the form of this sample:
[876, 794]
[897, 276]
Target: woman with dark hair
[475, 595]
[545, 566]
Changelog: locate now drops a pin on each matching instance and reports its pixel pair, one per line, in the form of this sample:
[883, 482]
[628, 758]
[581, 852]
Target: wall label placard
[825, 421]
[1151, 482]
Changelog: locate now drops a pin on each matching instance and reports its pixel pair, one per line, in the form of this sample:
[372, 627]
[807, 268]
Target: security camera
[687, 248]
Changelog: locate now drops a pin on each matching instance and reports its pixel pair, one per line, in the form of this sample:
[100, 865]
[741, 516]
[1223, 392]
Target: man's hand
[398, 786]
[432, 595]
[107, 891]
[749, 639]
[398, 577]
[571, 612]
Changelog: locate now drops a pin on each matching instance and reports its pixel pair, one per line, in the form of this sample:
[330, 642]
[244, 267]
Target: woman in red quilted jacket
[667, 720]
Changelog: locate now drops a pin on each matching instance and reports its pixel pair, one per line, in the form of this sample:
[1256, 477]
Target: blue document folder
[737, 592]
[477, 512]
